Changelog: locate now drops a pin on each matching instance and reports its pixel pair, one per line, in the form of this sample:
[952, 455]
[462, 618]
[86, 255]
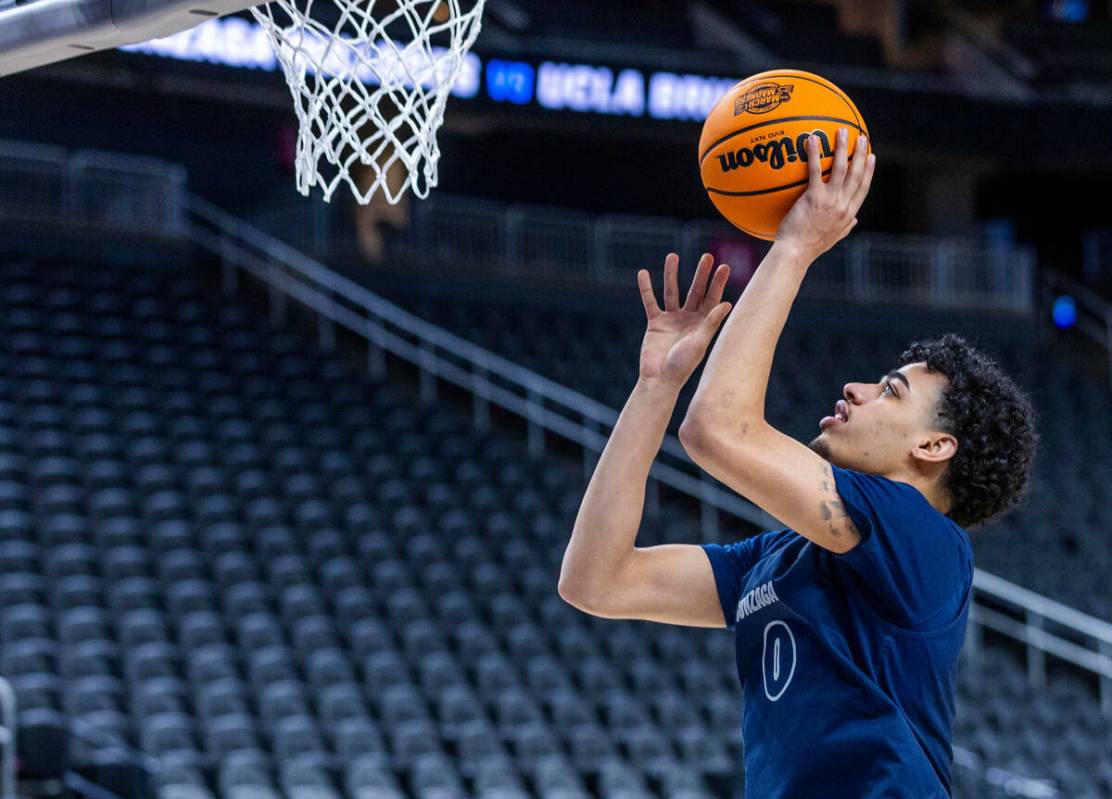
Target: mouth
[840, 417]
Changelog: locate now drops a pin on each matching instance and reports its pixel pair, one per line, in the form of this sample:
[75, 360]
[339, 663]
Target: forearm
[735, 377]
[610, 515]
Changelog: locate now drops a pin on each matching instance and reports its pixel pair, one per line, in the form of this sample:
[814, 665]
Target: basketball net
[369, 88]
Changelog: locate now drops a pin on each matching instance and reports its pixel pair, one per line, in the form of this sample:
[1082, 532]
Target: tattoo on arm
[833, 510]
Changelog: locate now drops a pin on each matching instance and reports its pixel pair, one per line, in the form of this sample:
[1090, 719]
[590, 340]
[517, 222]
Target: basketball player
[848, 623]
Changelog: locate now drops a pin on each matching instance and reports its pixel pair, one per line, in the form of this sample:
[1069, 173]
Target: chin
[820, 446]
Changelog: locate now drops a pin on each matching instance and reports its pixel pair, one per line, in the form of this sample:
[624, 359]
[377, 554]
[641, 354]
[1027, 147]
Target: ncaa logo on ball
[762, 98]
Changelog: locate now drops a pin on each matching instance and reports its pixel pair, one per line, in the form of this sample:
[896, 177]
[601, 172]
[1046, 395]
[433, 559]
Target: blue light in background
[1065, 312]
[510, 81]
[1075, 11]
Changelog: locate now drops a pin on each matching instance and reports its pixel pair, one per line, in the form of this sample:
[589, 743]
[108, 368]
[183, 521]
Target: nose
[854, 393]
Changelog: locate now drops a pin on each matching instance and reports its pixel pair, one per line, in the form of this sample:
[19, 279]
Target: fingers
[717, 286]
[857, 168]
[841, 154]
[698, 283]
[814, 162]
[648, 299]
[700, 297]
[714, 319]
[671, 282]
[865, 179]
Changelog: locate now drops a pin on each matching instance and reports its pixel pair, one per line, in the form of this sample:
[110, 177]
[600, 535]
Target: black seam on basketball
[739, 131]
[768, 191]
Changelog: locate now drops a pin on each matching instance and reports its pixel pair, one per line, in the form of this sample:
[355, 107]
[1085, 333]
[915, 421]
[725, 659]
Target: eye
[887, 388]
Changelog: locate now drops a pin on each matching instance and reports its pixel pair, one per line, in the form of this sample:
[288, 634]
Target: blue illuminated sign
[582, 87]
[551, 85]
[510, 81]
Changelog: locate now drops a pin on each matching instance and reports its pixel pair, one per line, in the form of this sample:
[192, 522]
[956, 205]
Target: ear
[936, 448]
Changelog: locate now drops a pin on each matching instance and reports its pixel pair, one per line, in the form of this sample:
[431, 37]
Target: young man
[849, 622]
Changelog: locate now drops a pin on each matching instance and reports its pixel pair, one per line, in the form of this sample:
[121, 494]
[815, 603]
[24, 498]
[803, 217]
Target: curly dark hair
[993, 420]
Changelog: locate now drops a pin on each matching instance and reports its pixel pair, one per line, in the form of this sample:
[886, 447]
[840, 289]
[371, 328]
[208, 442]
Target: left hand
[826, 212]
[676, 339]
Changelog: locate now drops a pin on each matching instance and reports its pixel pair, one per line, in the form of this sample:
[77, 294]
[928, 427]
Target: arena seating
[656, 23]
[277, 577]
[801, 31]
[793, 29]
[1065, 53]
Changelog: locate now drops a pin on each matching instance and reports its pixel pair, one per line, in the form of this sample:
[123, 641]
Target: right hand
[677, 338]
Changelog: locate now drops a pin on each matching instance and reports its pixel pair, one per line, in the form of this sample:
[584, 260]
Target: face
[890, 423]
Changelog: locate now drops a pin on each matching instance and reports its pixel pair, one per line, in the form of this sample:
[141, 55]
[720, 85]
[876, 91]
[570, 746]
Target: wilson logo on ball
[762, 98]
[775, 153]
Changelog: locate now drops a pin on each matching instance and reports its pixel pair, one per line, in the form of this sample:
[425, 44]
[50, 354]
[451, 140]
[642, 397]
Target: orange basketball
[752, 153]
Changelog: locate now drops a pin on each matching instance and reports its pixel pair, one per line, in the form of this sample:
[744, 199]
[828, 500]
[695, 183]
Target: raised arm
[725, 430]
[603, 572]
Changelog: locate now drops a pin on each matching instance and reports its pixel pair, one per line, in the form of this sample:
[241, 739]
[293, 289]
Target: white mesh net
[370, 80]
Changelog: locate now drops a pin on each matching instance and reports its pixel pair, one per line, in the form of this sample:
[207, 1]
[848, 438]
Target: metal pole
[973, 634]
[7, 714]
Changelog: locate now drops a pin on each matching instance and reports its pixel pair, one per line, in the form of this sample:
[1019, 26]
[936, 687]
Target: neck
[930, 487]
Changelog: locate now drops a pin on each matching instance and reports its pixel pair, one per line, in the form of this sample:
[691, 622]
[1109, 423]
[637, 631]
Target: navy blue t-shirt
[848, 662]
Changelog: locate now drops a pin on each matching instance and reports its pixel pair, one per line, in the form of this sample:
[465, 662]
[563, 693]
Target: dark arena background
[285, 485]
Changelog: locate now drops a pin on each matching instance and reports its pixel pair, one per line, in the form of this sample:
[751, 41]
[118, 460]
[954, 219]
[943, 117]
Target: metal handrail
[957, 271]
[92, 187]
[1044, 606]
[437, 353]
[1036, 611]
[7, 740]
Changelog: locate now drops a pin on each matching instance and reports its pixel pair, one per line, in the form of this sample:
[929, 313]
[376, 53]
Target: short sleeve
[730, 563]
[911, 560]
